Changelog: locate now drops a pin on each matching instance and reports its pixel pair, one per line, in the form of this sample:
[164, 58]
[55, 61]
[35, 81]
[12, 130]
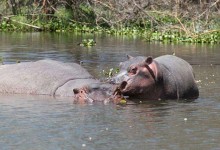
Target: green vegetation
[87, 43]
[111, 72]
[194, 21]
[1, 61]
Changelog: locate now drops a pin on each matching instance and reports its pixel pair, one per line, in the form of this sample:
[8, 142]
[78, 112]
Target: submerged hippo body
[49, 77]
[165, 77]
[44, 77]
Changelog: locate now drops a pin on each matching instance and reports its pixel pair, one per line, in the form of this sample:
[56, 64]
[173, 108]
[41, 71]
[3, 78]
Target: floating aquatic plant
[111, 72]
[87, 43]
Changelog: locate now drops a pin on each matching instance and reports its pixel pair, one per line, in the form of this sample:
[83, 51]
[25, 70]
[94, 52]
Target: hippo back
[40, 77]
[178, 77]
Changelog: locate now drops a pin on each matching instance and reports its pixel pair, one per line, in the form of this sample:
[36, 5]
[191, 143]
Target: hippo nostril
[123, 85]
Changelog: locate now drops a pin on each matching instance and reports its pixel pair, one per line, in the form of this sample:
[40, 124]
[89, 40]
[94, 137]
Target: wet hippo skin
[54, 78]
[165, 77]
[46, 77]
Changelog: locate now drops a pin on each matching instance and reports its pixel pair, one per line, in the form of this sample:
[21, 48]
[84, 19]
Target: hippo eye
[133, 70]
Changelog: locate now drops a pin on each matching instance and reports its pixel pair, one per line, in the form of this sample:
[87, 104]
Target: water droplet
[185, 119]
[83, 145]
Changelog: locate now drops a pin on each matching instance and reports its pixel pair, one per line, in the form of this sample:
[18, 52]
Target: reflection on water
[40, 122]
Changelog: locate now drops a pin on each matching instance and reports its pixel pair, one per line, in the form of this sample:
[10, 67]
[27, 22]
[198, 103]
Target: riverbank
[174, 36]
[192, 22]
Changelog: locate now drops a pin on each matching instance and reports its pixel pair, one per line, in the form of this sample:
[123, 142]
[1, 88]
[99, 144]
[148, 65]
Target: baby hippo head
[97, 92]
[82, 95]
[141, 78]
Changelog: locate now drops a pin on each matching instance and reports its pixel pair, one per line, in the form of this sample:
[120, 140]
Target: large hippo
[49, 77]
[165, 77]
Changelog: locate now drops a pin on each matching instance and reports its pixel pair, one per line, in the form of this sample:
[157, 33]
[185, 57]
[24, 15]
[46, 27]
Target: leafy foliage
[165, 21]
[111, 72]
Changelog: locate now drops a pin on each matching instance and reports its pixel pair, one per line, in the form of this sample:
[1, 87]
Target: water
[41, 122]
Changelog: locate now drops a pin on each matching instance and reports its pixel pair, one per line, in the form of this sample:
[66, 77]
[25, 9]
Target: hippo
[123, 67]
[165, 77]
[98, 92]
[54, 78]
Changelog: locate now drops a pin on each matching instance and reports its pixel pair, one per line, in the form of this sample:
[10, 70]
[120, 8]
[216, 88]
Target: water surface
[41, 122]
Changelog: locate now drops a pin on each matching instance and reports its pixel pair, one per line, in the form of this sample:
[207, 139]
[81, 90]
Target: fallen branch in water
[209, 31]
[26, 24]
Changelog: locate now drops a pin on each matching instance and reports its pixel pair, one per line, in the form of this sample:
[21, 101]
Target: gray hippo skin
[165, 77]
[49, 77]
[123, 67]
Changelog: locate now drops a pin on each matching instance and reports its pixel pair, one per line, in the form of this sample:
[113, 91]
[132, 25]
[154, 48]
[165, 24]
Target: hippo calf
[165, 77]
[98, 92]
[49, 77]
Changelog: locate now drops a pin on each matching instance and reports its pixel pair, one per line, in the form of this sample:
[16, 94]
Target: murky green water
[40, 122]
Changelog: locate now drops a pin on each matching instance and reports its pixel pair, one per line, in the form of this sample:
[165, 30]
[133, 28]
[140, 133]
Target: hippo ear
[129, 57]
[149, 60]
[75, 91]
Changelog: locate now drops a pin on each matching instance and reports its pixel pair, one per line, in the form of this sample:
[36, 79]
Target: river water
[46, 123]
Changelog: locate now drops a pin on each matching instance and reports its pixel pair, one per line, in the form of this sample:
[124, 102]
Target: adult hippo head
[165, 77]
[123, 67]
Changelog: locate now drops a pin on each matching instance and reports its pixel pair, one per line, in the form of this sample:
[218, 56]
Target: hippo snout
[123, 85]
[124, 88]
[122, 76]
